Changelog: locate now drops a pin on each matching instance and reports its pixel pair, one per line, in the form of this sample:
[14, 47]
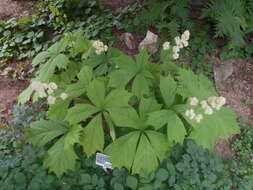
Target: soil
[15, 9]
[9, 90]
[238, 89]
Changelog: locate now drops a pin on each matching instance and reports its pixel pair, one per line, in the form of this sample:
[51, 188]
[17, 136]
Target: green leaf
[93, 136]
[61, 157]
[175, 129]
[61, 61]
[162, 174]
[58, 110]
[117, 98]
[168, 89]
[147, 155]
[77, 89]
[80, 112]
[127, 146]
[131, 182]
[127, 70]
[85, 75]
[140, 86]
[191, 85]
[148, 105]
[25, 95]
[46, 71]
[221, 125]
[96, 93]
[126, 117]
[159, 118]
[43, 131]
[40, 58]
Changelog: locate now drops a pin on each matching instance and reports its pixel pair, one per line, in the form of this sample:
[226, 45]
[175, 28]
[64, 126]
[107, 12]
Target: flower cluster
[166, 45]
[208, 106]
[192, 115]
[180, 43]
[45, 90]
[100, 47]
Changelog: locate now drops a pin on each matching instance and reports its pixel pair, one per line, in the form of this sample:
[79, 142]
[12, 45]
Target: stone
[129, 40]
[150, 43]
[222, 72]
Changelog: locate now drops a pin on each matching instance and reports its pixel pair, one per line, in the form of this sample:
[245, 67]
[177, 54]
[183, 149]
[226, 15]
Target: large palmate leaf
[80, 112]
[168, 88]
[129, 70]
[221, 125]
[58, 110]
[43, 131]
[191, 85]
[93, 136]
[61, 157]
[175, 128]
[138, 151]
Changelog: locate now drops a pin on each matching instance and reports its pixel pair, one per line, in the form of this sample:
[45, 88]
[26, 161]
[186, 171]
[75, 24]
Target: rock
[150, 43]
[222, 72]
[129, 40]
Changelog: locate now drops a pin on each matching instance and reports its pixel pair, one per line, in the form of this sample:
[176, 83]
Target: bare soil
[15, 9]
[9, 90]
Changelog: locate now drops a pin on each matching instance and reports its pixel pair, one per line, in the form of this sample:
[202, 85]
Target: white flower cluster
[100, 47]
[192, 115]
[166, 45]
[45, 90]
[207, 105]
[180, 43]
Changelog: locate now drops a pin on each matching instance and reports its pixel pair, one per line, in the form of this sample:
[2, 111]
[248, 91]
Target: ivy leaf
[221, 125]
[80, 112]
[191, 85]
[43, 131]
[96, 93]
[168, 89]
[93, 136]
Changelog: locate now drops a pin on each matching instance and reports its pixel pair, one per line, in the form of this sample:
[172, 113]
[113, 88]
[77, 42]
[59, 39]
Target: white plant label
[102, 160]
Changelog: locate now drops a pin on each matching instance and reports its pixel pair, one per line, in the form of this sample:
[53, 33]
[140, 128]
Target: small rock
[150, 43]
[129, 40]
[223, 72]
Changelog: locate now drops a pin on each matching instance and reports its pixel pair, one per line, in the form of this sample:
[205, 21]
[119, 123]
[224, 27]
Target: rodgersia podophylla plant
[153, 106]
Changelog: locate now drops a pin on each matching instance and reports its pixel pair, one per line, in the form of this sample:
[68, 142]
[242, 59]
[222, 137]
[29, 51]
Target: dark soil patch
[238, 89]
[15, 9]
[9, 90]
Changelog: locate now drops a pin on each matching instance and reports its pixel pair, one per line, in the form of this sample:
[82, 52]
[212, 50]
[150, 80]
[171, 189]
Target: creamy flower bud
[198, 118]
[208, 110]
[51, 100]
[175, 56]
[64, 96]
[52, 86]
[194, 101]
[42, 94]
[186, 35]
[166, 45]
[175, 49]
